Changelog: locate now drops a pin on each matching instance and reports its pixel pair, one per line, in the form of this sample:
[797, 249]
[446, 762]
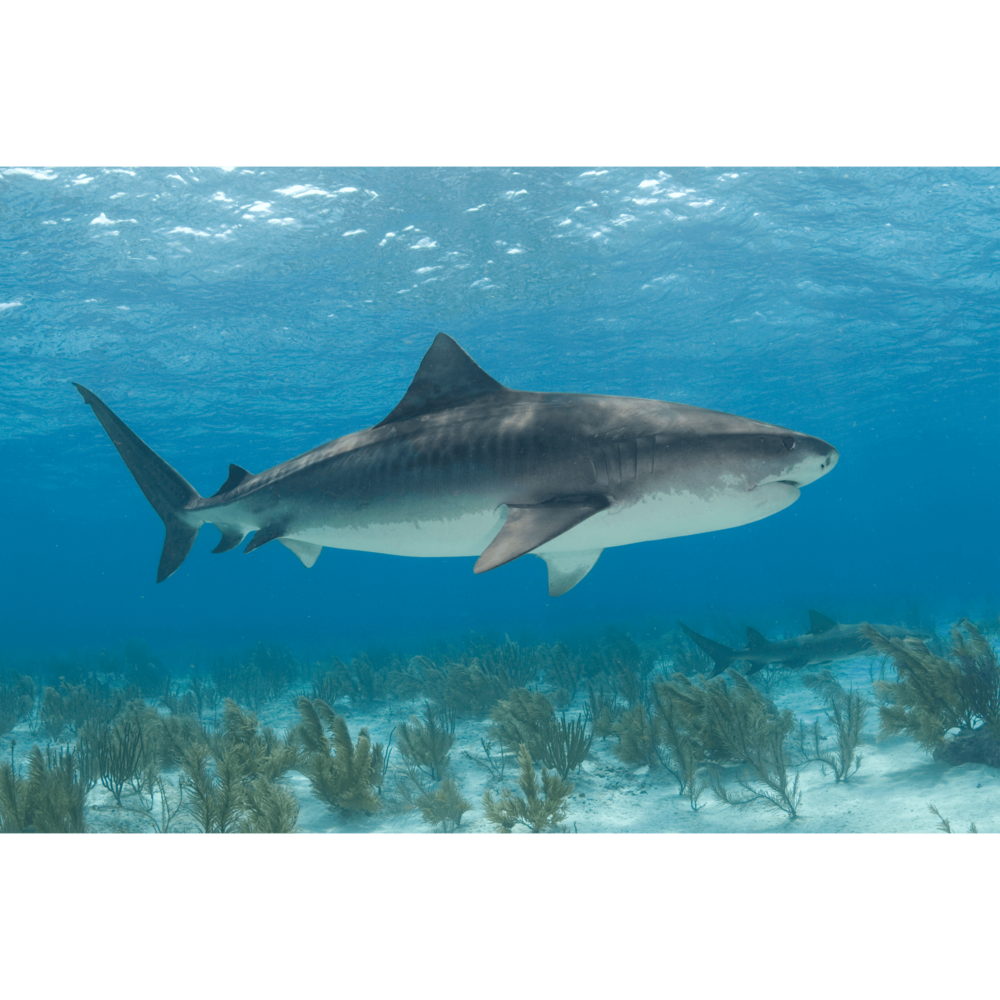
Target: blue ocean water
[238, 315]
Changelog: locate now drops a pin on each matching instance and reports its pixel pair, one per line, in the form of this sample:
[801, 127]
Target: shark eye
[788, 442]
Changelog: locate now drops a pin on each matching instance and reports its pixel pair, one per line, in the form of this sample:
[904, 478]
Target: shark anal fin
[231, 537]
[306, 551]
[447, 377]
[236, 476]
[567, 569]
[755, 640]
[264, 535]
[819, 623]
[530, 525]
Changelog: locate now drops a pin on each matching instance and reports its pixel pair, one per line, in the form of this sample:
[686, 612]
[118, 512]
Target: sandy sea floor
[890, 793]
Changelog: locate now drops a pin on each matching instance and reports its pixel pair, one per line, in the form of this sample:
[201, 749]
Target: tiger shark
[464, 466]
[826, 642]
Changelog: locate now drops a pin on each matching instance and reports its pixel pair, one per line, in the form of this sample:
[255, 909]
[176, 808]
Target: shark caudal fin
[164, 487]
[721, 655]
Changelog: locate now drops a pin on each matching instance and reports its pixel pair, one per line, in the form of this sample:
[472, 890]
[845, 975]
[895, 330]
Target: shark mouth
[775, 482]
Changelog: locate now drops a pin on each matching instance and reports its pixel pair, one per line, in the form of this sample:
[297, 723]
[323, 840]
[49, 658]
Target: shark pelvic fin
[446, 377]
[530, 525]
[819, 623]
[721, 655]
[306, 551]
[755, 640]
[264, 535]
[236, 476]
[567, 569]
[231, 537]
[162, 485]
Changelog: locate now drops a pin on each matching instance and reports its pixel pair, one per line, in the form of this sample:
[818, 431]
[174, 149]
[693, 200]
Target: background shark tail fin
[163, 486]
[721, 655]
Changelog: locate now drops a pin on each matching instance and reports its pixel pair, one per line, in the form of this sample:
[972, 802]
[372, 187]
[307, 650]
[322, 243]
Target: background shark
[825, 642]
[465, 466]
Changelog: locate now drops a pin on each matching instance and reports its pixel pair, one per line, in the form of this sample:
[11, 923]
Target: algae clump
[536, 808]
[345, 775]
[427, 744]
[50, 800]
[936, 694]
[445, 805]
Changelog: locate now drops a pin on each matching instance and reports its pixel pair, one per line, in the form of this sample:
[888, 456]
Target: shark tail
[721, 655]
[164, 487]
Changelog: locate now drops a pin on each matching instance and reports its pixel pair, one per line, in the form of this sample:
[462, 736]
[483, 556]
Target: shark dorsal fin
[446, 377]
[236, 476]
[819, 623]
[755, 640]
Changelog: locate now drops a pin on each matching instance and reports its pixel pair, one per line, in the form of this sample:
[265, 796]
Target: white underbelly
[670, 515]
[465, 535]
[654, 516]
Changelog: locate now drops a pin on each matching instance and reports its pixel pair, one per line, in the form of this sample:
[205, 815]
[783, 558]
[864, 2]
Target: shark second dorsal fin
[755, 640]
[236, 476]
[446, 377]
[819, 623]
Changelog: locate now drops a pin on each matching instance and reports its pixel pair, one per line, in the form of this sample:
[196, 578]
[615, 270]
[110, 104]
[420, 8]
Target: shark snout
[807, 460]
[817, 459]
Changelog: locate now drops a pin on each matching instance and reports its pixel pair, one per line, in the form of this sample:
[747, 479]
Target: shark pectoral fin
[264, 535]
[231, 537]
[236, 476]
[567, 569]
[819, 623]
[530, 525]
[306, 551]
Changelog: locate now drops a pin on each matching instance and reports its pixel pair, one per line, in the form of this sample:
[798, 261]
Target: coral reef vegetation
[105, 741]
[536, 808]
[945, 824]
[345, 775]
[528, 718]
[50, 800]
[933, 695]
[256, 677]
[848, 712]
[17, 697]
[426, 744]
[444, 806]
